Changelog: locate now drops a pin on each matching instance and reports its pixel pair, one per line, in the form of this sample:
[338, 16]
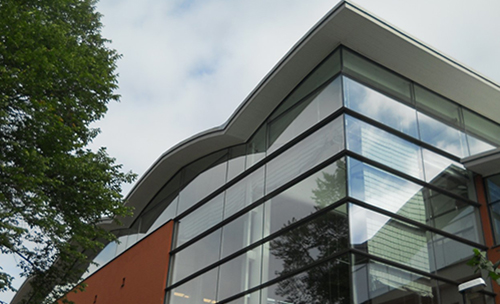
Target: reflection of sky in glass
[380, 107]
[442, 136]
[383, 147]
[477, 146]
[385, 191]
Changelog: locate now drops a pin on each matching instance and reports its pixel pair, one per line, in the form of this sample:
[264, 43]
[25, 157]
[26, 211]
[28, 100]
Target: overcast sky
[187, 65]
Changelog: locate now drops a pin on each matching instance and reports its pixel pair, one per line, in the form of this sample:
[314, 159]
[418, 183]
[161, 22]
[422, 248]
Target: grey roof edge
[485, 163]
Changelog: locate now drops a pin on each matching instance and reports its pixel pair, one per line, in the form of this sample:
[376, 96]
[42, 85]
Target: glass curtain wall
[350, 192]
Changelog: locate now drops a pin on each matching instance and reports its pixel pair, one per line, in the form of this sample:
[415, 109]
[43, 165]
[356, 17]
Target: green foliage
[56, 77]
[480, 262]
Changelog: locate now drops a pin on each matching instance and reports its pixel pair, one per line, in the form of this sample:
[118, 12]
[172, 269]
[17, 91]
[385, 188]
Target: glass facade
[350, 192]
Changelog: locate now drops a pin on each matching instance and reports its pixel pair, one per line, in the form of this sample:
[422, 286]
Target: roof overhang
[349, 25]
[486, 163]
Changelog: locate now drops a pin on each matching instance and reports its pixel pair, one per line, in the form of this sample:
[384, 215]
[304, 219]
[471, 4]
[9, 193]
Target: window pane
[379, 107]
[374, 282]
[386, 191]
[435, 106]
[453, 216]
[243, 231]
[256, 147]
[442, 136]
[245, 192]
[326, 70]
[236, 163]
[198, 255]
[448, 175]
[240, 273]
[482, 134]
[317, 191]
[451, 257]
[311, 151]
[315, 240]
[200, 220]
[389, 238]
[384, 147]
[326, 283]
[204, 176]
[305, 115]
[198, 290]
[376, 76]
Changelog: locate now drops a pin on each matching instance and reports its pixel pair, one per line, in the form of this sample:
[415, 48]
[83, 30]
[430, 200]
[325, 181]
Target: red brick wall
[139, 275]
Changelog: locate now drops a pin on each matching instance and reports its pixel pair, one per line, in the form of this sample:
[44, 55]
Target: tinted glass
[386, 191]
[256, 147]
[384, 147]
[240, 273]
[326, 283]
[242, 232]
[236, 163]
[380, 107]
[325, 71]
[201, 289]
[482, 134]
[245, 192]
[201, 219]
[198, 255]
[436, 106]
[305, 115]
[317, 239]
[375, 75]
[317, 191]
[389, 238]
[311, 151]
[442, 136]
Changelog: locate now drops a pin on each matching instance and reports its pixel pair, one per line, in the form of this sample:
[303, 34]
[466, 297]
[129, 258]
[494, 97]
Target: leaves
[56, 77]
[480, 262]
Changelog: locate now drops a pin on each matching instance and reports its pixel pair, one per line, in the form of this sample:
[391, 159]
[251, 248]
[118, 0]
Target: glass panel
[482, 134]
[326, 70]
[378, 283]
[165, 216]
[311, 151]
[379, 107]
[165, 199]
[375, 75]
[240, 273]
[251, 298]
[442, 136]
[453, 216]
[200, 220]
[326, 283]
[244, 193]
[213, 175]
[236, 163]
[493, 190]
[435, 106]
[243, 231]
[306, 114]
[449, 175]
[198, 255]
[386, 191]
[384, 147]
[256, 147]
[389, 238]
[319, 190]
[451, 257]
[315, 240]
[201, 289]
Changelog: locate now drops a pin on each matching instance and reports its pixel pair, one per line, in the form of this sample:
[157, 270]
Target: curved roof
[345, 24]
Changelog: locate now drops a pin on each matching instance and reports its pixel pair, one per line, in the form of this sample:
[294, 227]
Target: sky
[187, 65]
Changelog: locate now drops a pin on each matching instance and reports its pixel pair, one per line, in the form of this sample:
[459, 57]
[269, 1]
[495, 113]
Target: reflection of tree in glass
[313, 241]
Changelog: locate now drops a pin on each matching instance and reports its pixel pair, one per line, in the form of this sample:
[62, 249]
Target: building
[353, 173]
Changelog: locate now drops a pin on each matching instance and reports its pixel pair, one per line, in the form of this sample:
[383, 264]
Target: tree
[480, 262]
[57, 76]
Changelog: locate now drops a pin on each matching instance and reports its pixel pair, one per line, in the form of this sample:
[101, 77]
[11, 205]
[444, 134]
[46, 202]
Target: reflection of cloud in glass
[380, 107]
[442, 136]
[477, 146]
